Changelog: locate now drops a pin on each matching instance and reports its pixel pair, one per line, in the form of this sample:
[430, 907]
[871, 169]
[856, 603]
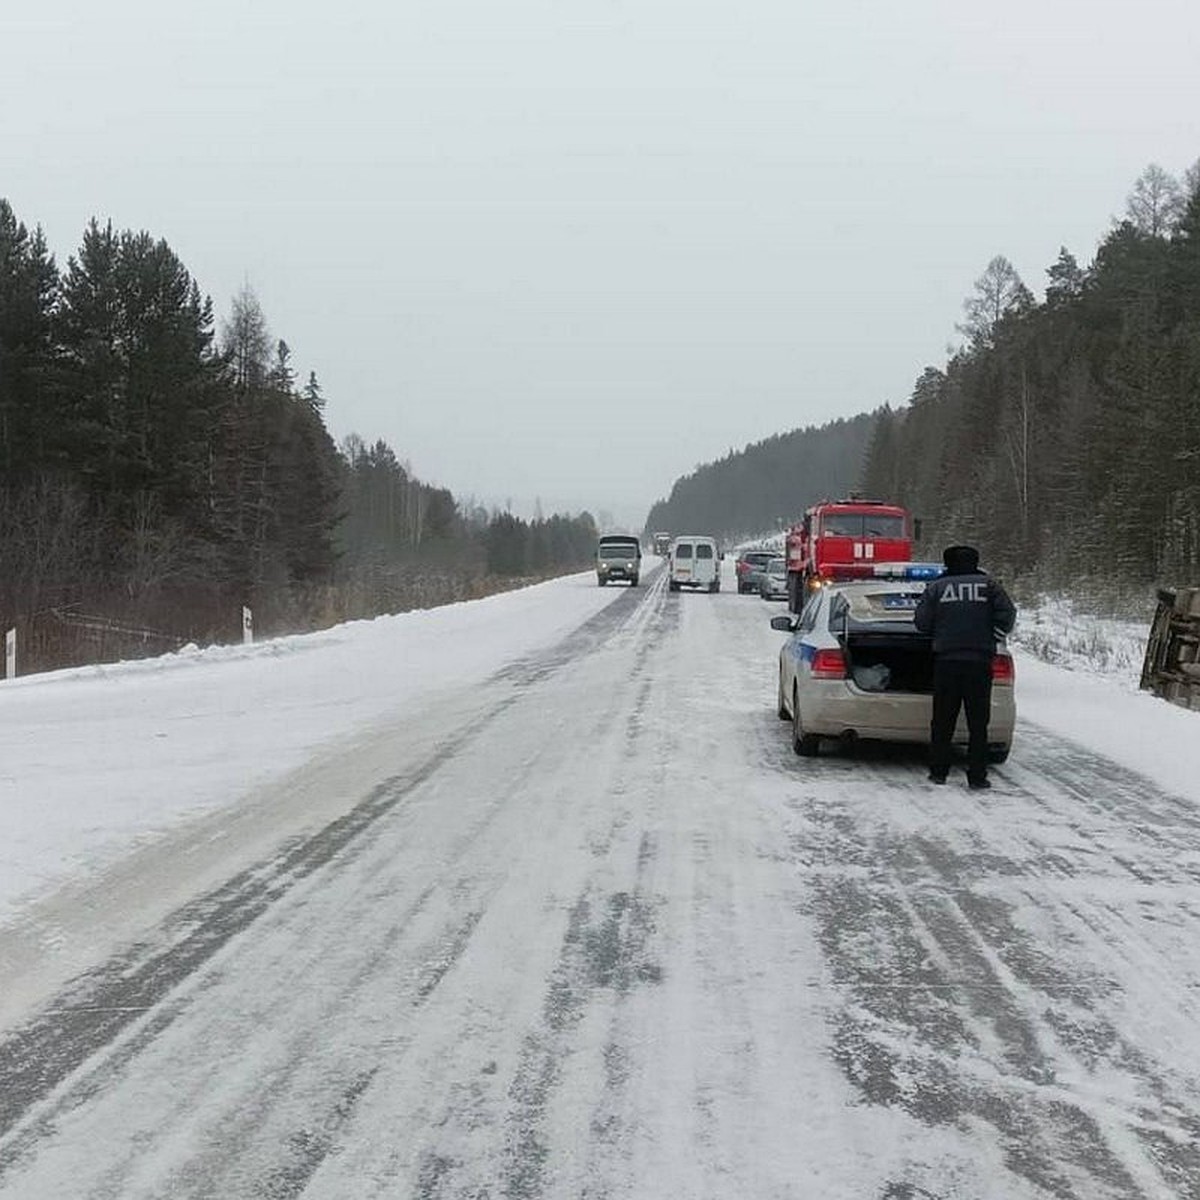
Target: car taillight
[1002, 669]
[829, 664]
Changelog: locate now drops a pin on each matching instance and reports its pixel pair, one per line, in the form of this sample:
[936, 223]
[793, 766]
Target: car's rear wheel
[780, 707]
[807, 745]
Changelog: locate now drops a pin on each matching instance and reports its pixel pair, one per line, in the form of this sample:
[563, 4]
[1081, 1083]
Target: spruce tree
[30, 425]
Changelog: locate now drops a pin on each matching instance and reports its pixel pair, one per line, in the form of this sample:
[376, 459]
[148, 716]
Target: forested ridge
[157, 472]
[1063, 437]
[769, 483]
[160, 468]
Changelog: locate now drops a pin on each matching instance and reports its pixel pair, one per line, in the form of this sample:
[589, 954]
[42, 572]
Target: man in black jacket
[963, 610]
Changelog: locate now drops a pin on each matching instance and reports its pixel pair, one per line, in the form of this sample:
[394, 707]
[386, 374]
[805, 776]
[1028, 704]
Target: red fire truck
[849, 535]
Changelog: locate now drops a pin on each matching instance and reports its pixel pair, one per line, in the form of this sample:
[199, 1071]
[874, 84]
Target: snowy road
[592, 930]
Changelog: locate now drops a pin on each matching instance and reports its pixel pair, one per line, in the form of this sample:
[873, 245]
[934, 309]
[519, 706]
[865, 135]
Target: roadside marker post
[10, 654]
[247, 626]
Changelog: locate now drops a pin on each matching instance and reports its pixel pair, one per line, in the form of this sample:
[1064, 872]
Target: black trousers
[961, 683]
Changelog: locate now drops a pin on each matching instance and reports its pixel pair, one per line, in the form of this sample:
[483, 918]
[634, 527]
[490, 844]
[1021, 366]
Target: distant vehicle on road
[856, 667]
[772, 580]
[618, 556]
[749, 568]
[662, 543]
[695, 562]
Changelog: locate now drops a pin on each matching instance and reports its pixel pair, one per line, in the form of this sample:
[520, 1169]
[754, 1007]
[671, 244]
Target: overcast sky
[572, 248]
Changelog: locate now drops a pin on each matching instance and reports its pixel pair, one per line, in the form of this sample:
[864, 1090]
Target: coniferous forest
[158, 470]
[1063, 437]
[768, 484]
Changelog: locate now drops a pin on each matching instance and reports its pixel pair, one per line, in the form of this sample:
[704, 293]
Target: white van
[695, 562]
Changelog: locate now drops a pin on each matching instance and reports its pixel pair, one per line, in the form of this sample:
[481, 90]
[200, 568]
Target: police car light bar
[895, 570]
[908, 570]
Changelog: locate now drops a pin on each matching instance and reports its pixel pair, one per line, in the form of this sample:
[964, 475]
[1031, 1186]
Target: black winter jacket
[963, 614]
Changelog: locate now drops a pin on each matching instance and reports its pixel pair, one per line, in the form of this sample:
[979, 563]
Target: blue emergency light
[847, 572]
[908, 570]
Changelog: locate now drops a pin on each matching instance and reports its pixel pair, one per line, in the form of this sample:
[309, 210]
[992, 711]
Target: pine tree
[96, 376]
[1066, 279]
[29, 422]
[313, 395]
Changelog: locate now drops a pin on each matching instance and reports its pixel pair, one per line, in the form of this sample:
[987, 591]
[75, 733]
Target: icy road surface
[592, 930]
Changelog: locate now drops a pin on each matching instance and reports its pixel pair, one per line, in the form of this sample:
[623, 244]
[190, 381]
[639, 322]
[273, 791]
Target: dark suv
[618, 557]
[751, 565]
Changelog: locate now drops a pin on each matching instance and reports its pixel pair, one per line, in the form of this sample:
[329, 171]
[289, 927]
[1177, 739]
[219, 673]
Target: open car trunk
[890, 662]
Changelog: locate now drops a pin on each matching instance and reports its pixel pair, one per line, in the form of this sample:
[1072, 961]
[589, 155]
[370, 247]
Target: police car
[856, 667]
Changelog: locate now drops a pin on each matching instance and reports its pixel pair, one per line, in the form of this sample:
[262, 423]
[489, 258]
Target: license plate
[900, 602]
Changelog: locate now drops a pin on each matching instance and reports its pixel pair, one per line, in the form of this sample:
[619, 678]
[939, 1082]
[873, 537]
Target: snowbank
[1056, 632]
[1078, 676]
[95, 759]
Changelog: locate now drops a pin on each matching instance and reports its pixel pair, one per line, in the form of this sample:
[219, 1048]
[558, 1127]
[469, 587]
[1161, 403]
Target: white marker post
[10, 654]
[247, 626]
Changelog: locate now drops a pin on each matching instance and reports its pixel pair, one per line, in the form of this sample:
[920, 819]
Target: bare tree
[245, 338]
[50, 544]
[1156, 202]
[155, 546]
[998, 291]
[1191, 181]
[1017, 448]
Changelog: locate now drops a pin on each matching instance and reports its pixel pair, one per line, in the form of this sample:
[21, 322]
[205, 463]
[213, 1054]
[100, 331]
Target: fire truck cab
[848, 535]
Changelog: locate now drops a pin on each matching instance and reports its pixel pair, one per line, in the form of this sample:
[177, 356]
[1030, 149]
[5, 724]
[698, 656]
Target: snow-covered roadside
[1150, 736]
[96, 760]
[1078, 676]
[1054, 631]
